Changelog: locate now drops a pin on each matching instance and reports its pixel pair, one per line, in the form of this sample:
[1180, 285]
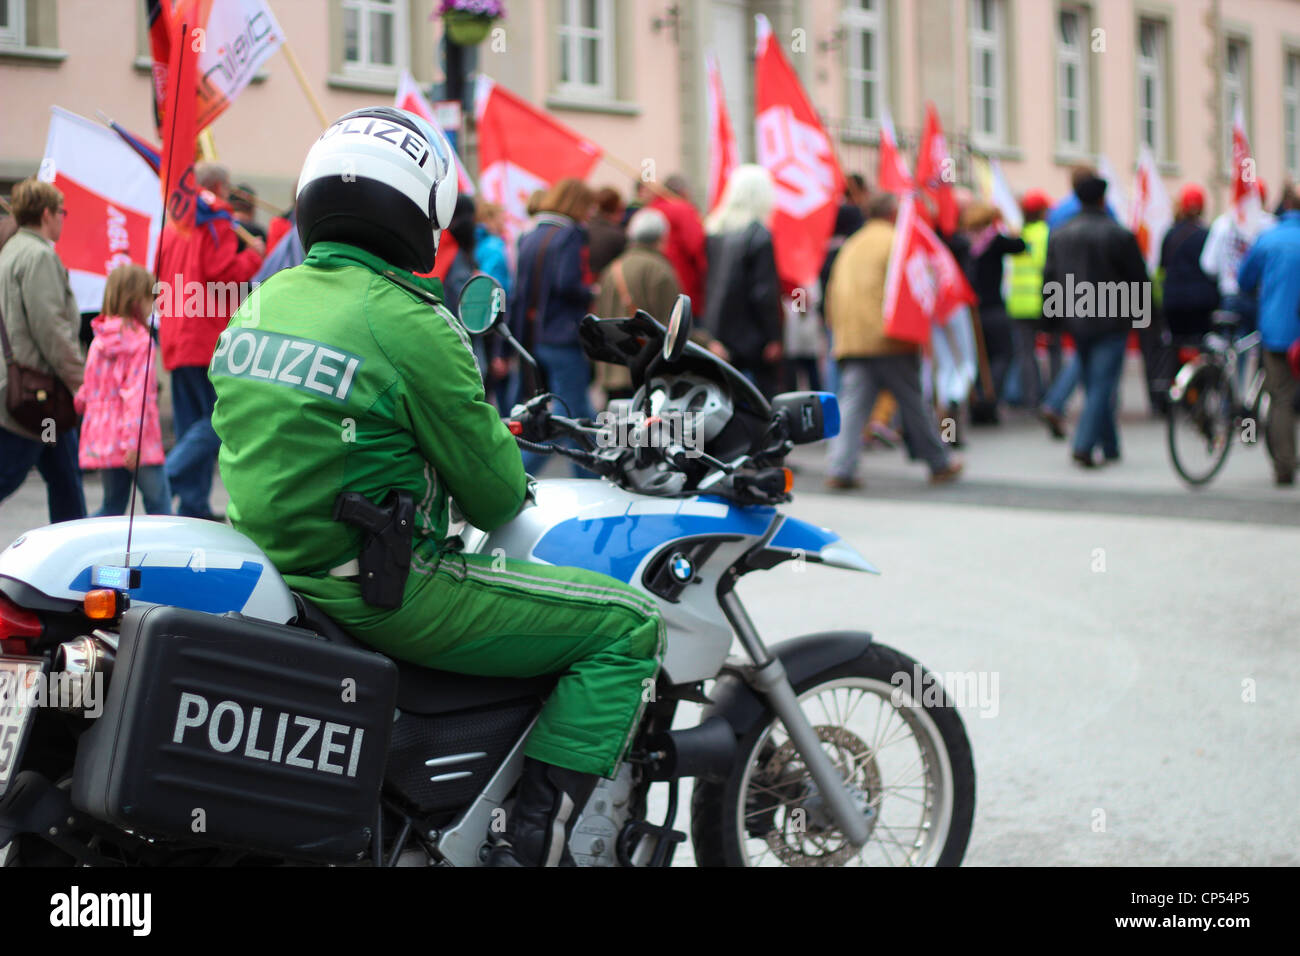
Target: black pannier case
[226, 730]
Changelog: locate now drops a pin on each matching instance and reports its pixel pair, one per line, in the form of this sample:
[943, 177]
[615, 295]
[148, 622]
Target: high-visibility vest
[1025, 300]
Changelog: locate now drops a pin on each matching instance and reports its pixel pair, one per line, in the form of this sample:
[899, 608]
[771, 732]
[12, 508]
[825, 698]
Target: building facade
[1040, 84]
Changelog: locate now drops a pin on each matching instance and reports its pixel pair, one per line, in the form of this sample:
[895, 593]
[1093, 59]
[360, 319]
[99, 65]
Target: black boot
[548, 802]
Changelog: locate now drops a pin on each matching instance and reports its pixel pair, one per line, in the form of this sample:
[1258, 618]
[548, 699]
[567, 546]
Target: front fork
[769, 679]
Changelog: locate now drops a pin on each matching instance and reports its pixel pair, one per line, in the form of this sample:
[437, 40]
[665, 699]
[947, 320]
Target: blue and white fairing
[600, 527]
[183, 562]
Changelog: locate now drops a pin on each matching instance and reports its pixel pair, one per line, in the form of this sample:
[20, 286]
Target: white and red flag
[231, 38]
[724, 156]
[924, 284]
[413, 100]
[935, 171]
[1246, 204]
[891, 174]
[795, 149]
[113, 200]
[521, 149]
[1153, 212]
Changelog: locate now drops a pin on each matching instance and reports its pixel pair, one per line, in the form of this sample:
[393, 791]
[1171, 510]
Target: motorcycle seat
[422, 690]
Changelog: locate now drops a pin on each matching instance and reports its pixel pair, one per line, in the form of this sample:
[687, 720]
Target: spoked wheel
[1200, 426]
[904, 756]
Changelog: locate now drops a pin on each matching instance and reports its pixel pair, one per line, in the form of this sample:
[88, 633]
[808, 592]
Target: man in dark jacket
[1189, 294]
[1095, 279]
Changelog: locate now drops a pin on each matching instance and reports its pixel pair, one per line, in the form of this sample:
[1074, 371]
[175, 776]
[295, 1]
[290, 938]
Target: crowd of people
[1245, 270]
[585, 250]
[113, 384]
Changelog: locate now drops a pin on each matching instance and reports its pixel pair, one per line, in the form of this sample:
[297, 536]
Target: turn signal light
[789, 479]
[516, 428]
[101, 604]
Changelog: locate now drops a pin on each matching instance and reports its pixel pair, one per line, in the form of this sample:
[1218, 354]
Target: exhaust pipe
[83, 665]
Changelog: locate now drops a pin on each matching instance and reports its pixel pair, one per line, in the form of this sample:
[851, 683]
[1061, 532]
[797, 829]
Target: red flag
[1246, 204]
[724, 156]
[935, 172]
[230, 39]
[158, 13]
[923, 284]
[521, 149]
[892, 175]
[180, 190]
[795, 149]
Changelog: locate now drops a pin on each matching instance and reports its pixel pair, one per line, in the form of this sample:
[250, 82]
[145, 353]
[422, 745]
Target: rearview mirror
[482, 303]
[679, 329]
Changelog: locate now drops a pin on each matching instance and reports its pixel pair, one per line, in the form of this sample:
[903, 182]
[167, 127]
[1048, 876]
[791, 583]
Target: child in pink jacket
[119, 366]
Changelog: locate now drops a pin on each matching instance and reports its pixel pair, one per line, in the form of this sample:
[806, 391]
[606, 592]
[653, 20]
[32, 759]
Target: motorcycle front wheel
[899, 744]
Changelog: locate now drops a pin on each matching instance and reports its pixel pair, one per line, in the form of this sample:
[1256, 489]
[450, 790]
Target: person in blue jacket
[1272, 266]
[553, 291]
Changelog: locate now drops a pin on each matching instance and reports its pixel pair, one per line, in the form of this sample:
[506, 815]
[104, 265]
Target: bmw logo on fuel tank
[681, 567]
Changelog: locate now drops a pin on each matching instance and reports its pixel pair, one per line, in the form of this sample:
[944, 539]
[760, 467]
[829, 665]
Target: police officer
[334, 378]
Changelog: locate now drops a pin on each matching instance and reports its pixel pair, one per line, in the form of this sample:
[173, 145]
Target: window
[1151, 86]
[375, 42]
[12, 31]
[987, 69]
[1072, 81]
[1236, 68]
[586, 48]
[1291, 116]
[864, 22]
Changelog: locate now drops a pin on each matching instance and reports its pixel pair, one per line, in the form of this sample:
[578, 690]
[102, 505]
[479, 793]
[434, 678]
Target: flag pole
[256, 200]
[302, 81]
[208, 145]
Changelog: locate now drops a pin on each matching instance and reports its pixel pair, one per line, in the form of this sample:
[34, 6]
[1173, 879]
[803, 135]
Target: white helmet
[381, 179]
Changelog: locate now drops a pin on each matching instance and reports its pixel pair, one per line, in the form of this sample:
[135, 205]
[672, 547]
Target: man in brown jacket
[42, 322]
[640, 278]
[869, 360]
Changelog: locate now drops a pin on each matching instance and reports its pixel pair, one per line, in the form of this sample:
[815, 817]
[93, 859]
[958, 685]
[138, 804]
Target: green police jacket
[332, 378]
[1025, 298]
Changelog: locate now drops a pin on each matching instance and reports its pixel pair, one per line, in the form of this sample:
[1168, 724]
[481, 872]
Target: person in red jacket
[203, 279]
[687, 247]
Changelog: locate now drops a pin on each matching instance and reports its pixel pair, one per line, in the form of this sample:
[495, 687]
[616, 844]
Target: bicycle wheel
[1200, 426]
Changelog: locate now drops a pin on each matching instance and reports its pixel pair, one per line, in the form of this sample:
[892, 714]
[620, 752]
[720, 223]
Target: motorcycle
[179, 705]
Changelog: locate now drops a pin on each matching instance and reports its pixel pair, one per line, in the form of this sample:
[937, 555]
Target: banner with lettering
[231, 38]
[113, 201]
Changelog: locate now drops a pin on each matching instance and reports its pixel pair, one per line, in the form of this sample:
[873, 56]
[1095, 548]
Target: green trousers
[492, 616]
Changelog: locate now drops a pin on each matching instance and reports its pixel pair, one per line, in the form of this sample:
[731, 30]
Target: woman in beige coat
[41, 320]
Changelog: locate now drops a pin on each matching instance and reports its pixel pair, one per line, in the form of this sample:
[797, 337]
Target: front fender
[802, 658]
[1184, 378]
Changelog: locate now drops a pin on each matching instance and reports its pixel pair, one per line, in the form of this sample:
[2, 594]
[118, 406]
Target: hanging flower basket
[468, 22]
[467, 29]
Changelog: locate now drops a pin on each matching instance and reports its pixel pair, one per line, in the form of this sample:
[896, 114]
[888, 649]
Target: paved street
[1123, 616]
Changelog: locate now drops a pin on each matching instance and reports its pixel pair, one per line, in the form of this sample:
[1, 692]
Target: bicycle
[1207, 401]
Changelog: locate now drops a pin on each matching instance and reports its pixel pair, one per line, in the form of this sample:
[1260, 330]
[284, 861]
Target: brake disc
[802, 819]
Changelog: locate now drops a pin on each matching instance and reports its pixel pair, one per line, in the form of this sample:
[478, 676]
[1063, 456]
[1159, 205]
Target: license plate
[18, 676]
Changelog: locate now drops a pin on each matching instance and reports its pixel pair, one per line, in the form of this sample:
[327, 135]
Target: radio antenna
[170, 153]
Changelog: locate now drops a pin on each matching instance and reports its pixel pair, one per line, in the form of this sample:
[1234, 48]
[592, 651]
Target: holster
[387, 533]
